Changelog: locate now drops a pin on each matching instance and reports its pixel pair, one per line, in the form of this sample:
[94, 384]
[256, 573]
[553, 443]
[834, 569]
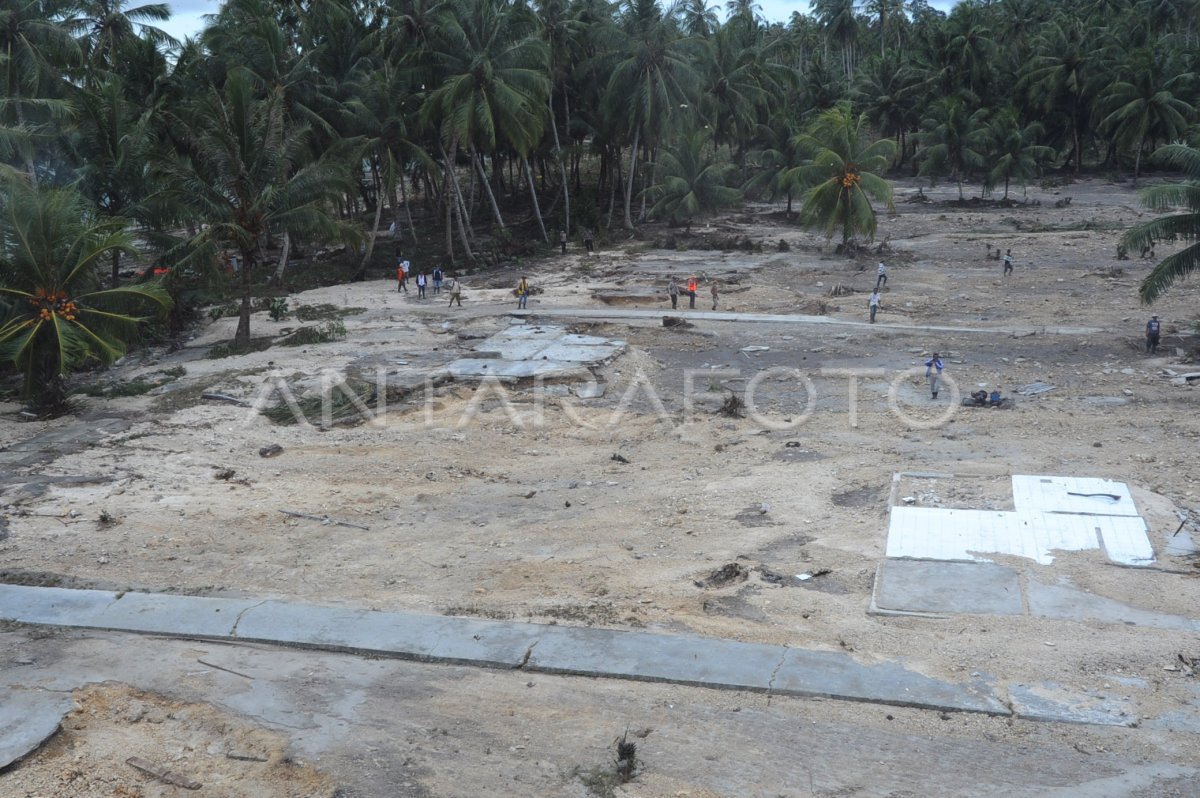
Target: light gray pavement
[604, 653]
[27, 718]
[618, 314]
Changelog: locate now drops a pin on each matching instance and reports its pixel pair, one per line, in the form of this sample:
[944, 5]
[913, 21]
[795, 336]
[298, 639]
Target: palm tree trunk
[1137, 160]
[537, 211]
[475, 159]
[629, 178]
[28, 158]
[116, 273]
[449, 199]
[241, 338]
[284, 254]
[456, 194]
[362, 267]
[407, 210]
[561, 168]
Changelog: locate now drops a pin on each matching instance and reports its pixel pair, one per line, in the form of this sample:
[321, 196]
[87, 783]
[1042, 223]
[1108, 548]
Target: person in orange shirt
[691, 292]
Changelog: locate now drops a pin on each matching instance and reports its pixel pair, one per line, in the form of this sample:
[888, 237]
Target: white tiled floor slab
[1040, 525]
[1054, 495]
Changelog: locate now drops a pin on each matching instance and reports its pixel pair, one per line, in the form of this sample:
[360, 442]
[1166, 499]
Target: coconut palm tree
[1014, 151]
[954, 140]
[693, 179]
[1145, 104]
[1180, 226]
[52, 244]
[842, 176]
[246, 172]
[105, 27]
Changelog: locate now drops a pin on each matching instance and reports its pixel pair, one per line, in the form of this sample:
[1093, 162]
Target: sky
[187, 15]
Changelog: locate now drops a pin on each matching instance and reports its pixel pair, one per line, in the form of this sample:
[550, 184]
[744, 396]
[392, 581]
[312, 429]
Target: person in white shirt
[881, 278]
[873, 304]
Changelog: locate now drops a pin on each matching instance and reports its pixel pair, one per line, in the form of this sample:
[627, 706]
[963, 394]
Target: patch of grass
[278, 308]
[343, 406]
[329, 331]
[136, 387]
[189, 395]
[221, 311]
[231, 350]
[325, 311]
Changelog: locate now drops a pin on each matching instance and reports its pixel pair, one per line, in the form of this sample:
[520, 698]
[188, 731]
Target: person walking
[588, 240]
[522, 292]
[691, 291]
[421, 285]
[880, 275]
[714, 294]
[673, 292]
[562, 239]
[438, 277]
[1153, 330]
[873, 304]
[933, 373]
[455, 288]
[1008, 263]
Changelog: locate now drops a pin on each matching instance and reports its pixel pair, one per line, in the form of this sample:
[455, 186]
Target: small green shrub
[324, 311]
[221, 311]
[230, 350]
[327, 332]
[278, 308]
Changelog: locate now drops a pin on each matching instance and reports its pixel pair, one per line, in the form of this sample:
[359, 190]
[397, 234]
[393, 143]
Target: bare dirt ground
[473, 506]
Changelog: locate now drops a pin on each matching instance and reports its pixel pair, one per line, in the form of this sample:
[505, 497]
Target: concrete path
[640, 656]
[617, 314]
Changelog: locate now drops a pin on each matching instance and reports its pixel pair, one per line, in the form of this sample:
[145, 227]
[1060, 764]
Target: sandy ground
[511, 504]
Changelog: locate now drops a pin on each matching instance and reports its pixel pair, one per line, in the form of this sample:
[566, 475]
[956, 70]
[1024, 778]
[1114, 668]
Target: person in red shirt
[691, 292]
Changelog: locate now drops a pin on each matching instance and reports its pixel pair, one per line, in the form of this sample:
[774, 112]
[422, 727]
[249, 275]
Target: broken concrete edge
[29, 718]
[504, 645]
[873, 607]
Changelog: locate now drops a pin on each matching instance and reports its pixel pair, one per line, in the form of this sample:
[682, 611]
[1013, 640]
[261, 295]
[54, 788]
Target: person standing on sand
[1008, 263]
[438, 276]
[421, 285]
[523, 292]
[714, 294]
[588, 240]
[933, 373]
[673, 292]
[407, 266]
[455, 289]
[1153, 330]
[400, 277]
[873, 304]
[691, 292]
[562, 239]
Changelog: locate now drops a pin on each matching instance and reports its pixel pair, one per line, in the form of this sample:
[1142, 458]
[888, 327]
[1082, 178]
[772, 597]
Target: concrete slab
[1049, 702]
[581, 354]
[938, 533]
[476, 368]
[1071, 604]
[1058, 495]
[607, 653]
[27, 719]
[430, 638]
[957, 587]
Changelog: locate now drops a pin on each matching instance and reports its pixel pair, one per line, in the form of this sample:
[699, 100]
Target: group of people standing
[437, 278]
[690, 292]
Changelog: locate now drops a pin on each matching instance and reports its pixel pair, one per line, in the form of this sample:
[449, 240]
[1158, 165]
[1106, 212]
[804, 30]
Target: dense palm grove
[286, 124]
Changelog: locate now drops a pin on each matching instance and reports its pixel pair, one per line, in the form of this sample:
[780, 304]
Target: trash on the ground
[220, 397]
[162, 774]
[675, 321]
[804, 577]
[616, 458]
[1035, 388]
[909, 500]
[270, 451]
[733, 406]
[727, 574]
[755, 349]
[325, 520]
[588, 390]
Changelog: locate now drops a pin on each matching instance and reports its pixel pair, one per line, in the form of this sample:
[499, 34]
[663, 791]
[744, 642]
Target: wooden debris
[324, 519]
[220, 397]
[162, 774]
